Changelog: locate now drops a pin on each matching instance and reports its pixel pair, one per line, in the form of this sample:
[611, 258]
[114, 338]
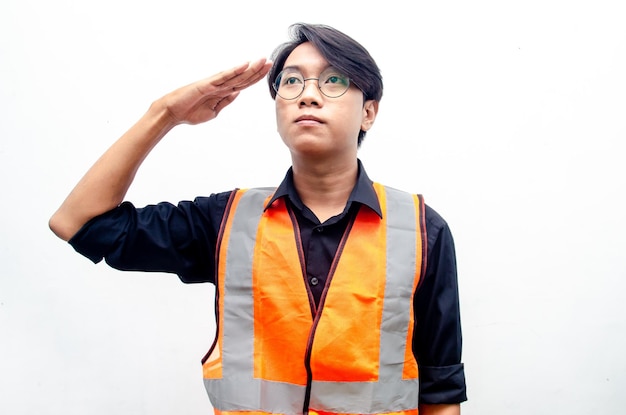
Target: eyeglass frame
[350, 82]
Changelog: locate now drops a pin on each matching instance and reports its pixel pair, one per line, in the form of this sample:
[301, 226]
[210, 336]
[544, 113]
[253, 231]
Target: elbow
[61, 227]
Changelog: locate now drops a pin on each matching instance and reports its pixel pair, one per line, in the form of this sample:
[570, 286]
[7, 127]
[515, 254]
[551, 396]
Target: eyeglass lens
[290, 83]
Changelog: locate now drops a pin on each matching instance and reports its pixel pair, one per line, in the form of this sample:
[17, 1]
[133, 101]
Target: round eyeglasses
[290, 83]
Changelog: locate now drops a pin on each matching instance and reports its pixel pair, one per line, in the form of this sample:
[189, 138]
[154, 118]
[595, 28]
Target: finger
[245, 83]
[227, 75]
[238, 71]
[252, 74]
[230, 80]
[259, 73]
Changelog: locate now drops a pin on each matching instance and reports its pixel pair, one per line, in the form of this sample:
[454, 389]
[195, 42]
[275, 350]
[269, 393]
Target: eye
[290, 79]
[336, 79]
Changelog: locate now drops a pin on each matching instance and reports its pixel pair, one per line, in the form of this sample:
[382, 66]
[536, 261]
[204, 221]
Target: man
[334, 294]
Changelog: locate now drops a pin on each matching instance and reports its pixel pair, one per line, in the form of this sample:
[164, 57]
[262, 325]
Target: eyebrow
[291, 67]
[299, 68]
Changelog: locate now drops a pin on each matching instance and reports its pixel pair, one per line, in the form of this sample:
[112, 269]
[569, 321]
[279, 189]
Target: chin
[311, 149]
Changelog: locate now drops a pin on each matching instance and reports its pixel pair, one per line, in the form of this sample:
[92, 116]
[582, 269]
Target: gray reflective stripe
[365, 397]
[390, 392]
[245, 394]
[238, 338]
[239, 391]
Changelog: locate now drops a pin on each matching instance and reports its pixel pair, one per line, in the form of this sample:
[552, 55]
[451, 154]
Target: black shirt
[182, 239]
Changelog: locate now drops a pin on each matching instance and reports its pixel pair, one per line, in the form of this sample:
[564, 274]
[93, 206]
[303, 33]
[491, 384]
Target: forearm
[105, 184]
[440, 409]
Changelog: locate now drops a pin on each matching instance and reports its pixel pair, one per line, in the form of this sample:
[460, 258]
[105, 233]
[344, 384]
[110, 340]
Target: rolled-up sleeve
[437, 340]
[178, 239]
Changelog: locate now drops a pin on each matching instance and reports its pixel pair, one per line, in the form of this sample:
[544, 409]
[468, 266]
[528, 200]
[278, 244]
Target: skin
[323, 145]
[453, 409]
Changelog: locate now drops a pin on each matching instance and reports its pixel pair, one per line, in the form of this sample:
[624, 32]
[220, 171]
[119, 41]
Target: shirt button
[314, 281]
[319, 229]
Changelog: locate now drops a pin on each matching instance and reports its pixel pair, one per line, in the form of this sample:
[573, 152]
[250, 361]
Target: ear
[370, 109]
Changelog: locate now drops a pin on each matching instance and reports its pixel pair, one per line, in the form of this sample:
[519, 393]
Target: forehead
[306, 58]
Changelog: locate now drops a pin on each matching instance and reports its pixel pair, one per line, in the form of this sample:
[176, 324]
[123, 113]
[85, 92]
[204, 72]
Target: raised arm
[105, 184]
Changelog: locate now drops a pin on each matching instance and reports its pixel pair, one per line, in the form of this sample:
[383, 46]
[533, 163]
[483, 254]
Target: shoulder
[437, 230]
[440, 240]
[434, 220]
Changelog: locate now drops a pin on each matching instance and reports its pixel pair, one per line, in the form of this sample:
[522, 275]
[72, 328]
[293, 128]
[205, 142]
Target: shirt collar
[363, 192]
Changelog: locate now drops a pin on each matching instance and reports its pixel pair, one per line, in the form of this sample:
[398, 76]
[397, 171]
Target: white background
[508, 116]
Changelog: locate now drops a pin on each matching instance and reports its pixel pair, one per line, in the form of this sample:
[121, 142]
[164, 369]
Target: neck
[325, 188]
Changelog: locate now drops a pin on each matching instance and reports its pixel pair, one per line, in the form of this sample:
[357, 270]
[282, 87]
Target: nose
[311, 94]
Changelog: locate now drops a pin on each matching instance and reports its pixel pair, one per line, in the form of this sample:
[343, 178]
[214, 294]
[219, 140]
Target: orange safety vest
[276, 353]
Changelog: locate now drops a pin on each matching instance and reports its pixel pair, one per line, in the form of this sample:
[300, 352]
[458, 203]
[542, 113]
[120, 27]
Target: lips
[308, 118]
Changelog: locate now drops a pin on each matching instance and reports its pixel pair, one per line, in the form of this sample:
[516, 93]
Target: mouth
[308, 119]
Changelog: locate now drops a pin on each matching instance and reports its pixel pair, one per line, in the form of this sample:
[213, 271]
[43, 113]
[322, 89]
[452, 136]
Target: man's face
[314, 125]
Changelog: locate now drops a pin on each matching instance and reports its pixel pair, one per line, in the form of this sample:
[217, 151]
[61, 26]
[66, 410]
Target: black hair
[340, 50]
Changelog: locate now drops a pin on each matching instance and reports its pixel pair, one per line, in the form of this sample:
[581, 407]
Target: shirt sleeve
[178, 239]
[437, 340]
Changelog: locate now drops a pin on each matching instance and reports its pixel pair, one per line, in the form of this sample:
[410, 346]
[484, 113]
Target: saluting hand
[203, 100]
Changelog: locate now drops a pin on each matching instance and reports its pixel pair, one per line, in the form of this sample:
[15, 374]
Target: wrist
[157, 121]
